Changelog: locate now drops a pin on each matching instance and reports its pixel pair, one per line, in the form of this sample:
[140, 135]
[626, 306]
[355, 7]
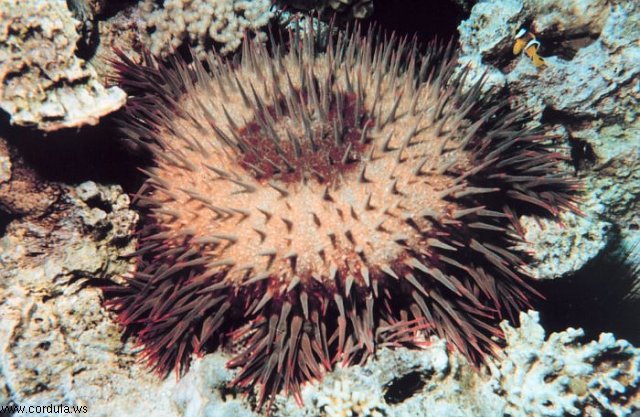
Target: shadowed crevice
[91, 153]
[601, 297]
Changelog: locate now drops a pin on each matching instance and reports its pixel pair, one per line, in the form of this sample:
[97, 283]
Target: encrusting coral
[317, 205]
[42, 81]
[200, 22]
[588, 92]
[538, 375]
[55, 339]
[560, 375]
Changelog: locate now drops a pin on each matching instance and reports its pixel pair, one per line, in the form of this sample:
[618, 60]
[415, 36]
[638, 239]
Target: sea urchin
[307, 207]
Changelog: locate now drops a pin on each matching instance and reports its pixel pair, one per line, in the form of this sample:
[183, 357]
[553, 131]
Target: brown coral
[22, 191]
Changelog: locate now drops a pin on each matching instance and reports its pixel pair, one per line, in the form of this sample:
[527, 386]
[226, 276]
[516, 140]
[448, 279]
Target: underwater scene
[320, 208]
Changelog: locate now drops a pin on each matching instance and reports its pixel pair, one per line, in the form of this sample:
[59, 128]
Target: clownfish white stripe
[521, 33]
[533, 42]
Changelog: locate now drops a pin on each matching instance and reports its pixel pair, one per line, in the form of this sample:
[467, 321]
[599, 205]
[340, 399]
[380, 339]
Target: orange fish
[527, 42]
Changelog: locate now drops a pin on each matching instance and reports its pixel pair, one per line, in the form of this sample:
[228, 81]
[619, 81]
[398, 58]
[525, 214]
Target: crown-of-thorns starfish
[310, 206]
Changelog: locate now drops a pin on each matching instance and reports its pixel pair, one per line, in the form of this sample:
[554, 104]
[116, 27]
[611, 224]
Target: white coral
[224, 22]
[560, 376]
[344, 399]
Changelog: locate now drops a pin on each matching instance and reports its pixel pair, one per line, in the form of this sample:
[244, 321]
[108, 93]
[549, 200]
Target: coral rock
[561, 376]
[198, 22]
[42, 81]
[55, 339]
[589, 88]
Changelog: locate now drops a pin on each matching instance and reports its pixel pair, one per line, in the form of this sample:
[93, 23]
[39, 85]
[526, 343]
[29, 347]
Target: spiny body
[314, 206]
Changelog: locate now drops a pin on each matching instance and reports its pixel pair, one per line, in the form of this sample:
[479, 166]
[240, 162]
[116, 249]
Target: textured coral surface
[589, 90]
[58, 241]
[203, 22]
[53, 332]
[42, 81]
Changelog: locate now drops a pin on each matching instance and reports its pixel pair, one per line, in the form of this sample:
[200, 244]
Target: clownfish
[527, 42]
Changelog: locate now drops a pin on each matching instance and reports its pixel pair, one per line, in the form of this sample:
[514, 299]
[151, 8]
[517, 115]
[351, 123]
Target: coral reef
[60, 242]
[561, 376]
[596, 81]
[202, 22]
[90, 9]
[538, 376]
[205, 391]
[53, 331]
[120, 32]
[554, 255]
[58, 345]
[85, 12]
[589, 89]
[42, 81]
